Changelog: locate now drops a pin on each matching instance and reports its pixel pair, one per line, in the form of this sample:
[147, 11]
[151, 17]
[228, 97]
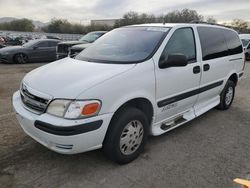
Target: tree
[240, 25]
[64, 26]
[183, 16]
[211, 20]
[132, 18]
[58, 26]
[18, 25]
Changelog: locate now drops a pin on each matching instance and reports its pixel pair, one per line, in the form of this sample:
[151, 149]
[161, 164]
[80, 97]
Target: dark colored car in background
[247, 51]
[40, 50]
[63, 47]
[1, 45]
[246, 47]
[76, 49]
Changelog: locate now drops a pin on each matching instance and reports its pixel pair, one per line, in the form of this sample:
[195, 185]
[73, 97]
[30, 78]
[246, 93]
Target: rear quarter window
[233, 42]
[213, 43]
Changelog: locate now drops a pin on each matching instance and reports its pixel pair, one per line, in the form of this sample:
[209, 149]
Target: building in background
[108, 22]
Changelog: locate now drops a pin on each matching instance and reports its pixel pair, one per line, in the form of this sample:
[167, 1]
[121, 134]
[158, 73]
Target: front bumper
[62, 135]
[5, 58]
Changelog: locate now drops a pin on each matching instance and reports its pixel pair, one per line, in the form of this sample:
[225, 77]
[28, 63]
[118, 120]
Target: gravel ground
[209, 151]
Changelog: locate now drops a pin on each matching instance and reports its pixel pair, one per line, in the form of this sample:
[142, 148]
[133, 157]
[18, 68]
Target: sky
[82, 11]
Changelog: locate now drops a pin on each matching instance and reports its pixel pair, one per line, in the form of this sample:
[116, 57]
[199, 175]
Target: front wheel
[126, 136]
[227, 96]
[21, 58]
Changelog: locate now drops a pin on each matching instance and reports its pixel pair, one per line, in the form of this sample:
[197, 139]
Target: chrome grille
[62, 48]
[32, 102]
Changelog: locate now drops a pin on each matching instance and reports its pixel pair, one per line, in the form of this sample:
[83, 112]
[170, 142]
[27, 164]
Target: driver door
[176, 87]
[40, 51]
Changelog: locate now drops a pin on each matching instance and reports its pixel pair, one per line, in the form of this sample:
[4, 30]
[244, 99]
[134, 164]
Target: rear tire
[126, 136]
[21, 58]
[227, 95]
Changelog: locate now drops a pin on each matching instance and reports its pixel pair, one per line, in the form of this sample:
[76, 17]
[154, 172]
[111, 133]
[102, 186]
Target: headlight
[74, 109]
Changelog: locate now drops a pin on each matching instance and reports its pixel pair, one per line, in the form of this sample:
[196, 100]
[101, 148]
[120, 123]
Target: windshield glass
[124, 45]
[90, 37]
[244, 42]
[30, 43]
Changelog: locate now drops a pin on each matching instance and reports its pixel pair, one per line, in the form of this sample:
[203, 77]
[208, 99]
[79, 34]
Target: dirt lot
[208, 152]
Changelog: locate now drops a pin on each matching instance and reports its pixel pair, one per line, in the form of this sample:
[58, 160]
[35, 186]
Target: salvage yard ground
[209, 151]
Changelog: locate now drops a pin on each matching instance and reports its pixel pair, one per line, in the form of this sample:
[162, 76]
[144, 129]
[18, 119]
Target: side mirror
[173, 60]
[35, 47]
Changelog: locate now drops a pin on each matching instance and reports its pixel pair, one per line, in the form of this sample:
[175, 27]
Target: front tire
[126, 136]
[227, 95]
[21, 58]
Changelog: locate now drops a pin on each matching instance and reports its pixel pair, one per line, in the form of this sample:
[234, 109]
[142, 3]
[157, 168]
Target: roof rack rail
[202, 22]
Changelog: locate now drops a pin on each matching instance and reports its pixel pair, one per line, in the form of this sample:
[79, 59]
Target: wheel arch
[141, 103]
[233, 77]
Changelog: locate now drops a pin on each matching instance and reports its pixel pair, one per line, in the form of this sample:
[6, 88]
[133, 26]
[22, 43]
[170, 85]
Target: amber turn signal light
[90, 109]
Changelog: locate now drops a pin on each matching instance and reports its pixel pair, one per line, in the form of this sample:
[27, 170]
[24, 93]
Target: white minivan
[133, 82]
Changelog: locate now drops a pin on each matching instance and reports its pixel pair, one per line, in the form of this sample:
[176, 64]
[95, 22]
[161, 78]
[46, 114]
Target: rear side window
[42, 44]
[182, 41]
[233, 42]
[213, 43]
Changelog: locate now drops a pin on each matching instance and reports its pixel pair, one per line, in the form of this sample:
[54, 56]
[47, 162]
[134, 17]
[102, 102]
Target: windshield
[124, 45]
[30, 43]
[91, 37]
[244, 42]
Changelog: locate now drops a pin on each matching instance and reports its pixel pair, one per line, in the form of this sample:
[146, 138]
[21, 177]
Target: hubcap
[131, 137]
[229, 95]
[22, 58]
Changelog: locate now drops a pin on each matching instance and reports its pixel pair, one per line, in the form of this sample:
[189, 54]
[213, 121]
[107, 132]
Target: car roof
[98, 32]
[180, 24]
[40, 40]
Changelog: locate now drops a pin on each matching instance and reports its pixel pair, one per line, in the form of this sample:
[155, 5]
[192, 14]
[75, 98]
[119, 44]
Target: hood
[67, 78]
[71, 43]
[10, 48]
[81, 46]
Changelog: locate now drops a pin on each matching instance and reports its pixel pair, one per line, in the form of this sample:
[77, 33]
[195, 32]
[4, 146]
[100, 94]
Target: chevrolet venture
[133, 82]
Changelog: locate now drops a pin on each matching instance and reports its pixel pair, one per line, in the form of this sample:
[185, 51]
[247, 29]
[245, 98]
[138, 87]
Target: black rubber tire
[223, 105]
[18, 60]
[111, 145]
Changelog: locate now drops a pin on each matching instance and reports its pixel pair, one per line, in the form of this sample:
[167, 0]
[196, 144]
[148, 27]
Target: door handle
[196, 69]
[206, 67]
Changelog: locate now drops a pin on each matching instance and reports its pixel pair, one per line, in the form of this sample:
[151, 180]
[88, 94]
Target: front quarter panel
[138, 82]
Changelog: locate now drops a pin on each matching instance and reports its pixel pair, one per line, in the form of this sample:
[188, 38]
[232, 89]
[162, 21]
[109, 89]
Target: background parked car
[33, 51]
[63, 47]
[245, 39]
[1, 45]
[13, 41]
[76, 49]
[247, 51]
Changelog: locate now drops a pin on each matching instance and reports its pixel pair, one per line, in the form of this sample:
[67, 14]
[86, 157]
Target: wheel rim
[21, 58]
[229, 95]
[131, 137]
